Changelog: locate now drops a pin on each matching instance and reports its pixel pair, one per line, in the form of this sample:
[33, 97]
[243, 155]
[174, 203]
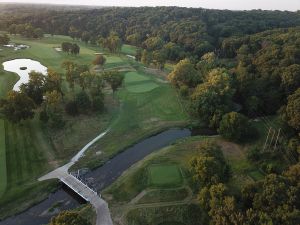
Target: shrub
[71, 108]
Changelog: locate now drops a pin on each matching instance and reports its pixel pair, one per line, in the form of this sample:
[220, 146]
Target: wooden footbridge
[83, 190]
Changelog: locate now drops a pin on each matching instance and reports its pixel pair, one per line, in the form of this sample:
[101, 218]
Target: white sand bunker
[16, 47]
[58, 49]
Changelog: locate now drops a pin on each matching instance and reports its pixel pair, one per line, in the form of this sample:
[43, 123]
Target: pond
[102, 177]
[23, 67]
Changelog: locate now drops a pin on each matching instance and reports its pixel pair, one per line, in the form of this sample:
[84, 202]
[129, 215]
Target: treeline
[262, 78]
[182, 32]
[26, 30]
[272, 200]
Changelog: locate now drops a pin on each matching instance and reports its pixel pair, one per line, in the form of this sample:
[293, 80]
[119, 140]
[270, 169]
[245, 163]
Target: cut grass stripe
[3, 178]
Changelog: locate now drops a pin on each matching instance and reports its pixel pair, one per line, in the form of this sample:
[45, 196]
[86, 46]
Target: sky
[291, 5]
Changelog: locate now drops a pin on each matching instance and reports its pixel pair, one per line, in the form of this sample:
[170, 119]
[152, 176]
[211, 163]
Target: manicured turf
[139, 83]
[140, 88]
[164, 175]
[132, 77]
[129, 50]
[3, 179]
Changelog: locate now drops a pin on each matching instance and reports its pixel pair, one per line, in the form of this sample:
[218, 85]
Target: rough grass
[167, 215]
[3, 178]
[164, 175]
[164, 195]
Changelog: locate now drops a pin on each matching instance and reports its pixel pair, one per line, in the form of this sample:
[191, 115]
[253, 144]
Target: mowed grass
[164, 175]
[139, 83]
[3, 179]
[143, 87]
[129, 50]
[133, 77]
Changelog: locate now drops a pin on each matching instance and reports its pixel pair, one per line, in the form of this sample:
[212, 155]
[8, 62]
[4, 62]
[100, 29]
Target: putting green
[141, 88]
[129, 50]
[132, 77]
[164, 175]
[3, 179]
[138, 83]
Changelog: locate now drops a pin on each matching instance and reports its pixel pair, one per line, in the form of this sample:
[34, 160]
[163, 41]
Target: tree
[66, 47]
[159, 59]
[99, 60]
[70, 68]
[71, 108]
[114, 79]
[83, 102]
[38, 33]
[17, 107]
[86, 79]
[68, 218]
[208, 166]
[4, 39]
[74, 32]
[146, 57]
[53, 81]
[153, 43]
[85, 37]
[293, 110]
[75, 49]
[235, 127]
[34, 88]
[213, 98]
[53, 101]
[113, 42]
[184, 73]
[291, 78]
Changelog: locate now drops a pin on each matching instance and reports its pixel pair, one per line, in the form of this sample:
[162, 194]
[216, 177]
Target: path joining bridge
[101, 207]
[91, 196]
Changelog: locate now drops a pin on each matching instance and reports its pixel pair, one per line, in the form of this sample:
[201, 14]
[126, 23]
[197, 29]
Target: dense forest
[181, 32]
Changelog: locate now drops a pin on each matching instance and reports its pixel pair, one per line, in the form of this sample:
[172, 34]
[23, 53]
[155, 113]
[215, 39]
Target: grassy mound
[161, 175]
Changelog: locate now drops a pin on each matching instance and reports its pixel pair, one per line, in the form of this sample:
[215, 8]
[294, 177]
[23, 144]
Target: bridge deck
[101, 207]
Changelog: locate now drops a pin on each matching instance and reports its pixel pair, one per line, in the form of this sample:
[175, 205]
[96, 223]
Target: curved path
[61, 173]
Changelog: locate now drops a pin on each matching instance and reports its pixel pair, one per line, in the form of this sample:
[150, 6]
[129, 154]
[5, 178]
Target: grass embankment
[155, 189]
